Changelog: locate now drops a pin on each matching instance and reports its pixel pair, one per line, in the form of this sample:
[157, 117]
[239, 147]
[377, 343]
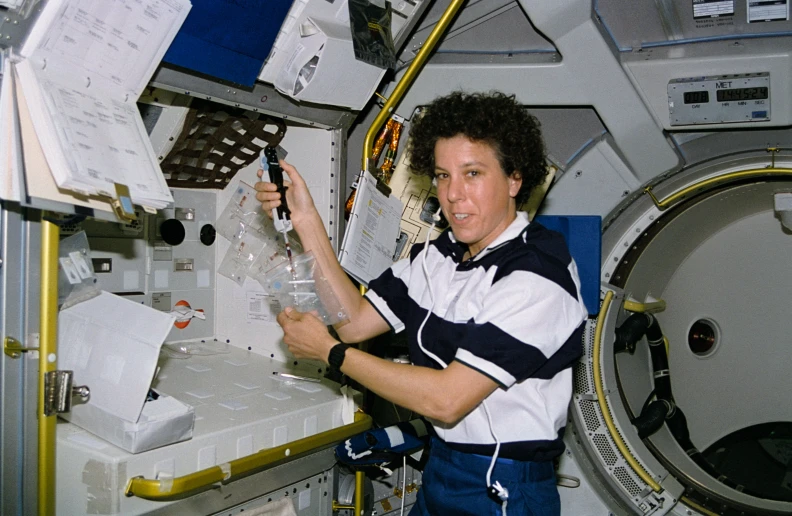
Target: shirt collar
[514, 229]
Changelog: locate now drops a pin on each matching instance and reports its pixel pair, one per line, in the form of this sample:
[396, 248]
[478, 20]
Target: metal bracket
[14, 349]
[58, 392]
[184, 213]
[774, 150]
[342, 507]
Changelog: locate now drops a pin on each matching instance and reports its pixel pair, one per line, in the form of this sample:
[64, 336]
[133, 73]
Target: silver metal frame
[14, 26]
[20, 241]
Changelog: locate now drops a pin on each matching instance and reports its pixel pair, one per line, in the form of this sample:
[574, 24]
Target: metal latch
[183, 264]
[14, 349]
[58, 392]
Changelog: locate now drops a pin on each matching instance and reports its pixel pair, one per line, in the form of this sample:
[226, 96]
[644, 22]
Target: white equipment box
[241, 407]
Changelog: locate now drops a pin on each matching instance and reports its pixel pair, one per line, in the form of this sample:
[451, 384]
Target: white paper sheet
[39, 180]
[86, 63]
[113, 344]
[119, 41]
[91, 140]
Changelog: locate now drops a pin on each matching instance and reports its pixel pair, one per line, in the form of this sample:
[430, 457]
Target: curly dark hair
[493, 118]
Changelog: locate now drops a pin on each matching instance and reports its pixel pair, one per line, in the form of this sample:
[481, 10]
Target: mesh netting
[215, 144]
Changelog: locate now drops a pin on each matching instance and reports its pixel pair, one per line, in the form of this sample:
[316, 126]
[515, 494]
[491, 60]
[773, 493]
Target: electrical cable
[424, 252]
[648, 400]
[501, 492]
[404, 483]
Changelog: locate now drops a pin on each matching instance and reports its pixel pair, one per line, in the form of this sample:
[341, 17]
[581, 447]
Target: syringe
[280, 215]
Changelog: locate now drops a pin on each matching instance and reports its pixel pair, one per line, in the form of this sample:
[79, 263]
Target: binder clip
[122, 204]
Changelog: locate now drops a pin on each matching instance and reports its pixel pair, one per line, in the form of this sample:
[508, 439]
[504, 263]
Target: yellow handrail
[407, 79]
[693, 505]
[359, 478]
[644, 308]
[48, 349]
[603, 405]
[169, 488]
[714, 181]
[357, 507]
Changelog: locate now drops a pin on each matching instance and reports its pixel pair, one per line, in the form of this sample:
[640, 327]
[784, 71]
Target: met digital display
[738, 94]
[696, 97]
[720, 99]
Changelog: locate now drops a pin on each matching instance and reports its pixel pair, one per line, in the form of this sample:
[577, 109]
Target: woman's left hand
[305, 335]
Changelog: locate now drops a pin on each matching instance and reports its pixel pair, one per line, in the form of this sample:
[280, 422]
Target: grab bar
[164, 489]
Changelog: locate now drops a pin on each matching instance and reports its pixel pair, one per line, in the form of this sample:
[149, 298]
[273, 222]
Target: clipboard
[370, 240]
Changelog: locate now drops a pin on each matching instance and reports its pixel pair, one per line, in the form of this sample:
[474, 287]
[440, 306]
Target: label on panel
[161, 301]
[767, 10]
[712, 8]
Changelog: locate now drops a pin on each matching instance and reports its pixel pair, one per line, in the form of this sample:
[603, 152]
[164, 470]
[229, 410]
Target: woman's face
[475, 193]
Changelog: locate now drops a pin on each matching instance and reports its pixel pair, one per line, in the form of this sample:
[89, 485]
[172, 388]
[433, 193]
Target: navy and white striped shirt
[514, 313]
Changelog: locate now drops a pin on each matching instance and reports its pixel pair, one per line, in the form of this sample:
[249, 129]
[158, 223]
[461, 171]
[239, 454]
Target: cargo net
[215, 144]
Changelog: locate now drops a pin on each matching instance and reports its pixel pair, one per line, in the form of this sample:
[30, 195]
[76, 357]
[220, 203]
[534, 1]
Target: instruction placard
[767, 10]
[712, 8]
[258, 307]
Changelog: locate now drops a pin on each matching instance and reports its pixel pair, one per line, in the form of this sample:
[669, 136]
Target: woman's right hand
[298, 198]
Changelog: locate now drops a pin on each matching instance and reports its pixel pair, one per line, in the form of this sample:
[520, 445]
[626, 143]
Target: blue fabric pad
[583, 235]
[227, 39]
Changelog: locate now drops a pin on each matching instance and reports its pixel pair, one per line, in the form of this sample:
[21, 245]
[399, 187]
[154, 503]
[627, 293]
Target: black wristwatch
[337, 355]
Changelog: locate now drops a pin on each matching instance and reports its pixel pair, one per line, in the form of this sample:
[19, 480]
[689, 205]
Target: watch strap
[337, 355]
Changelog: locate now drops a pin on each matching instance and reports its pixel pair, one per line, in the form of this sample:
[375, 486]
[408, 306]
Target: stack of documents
[369, 245]
[82, 69]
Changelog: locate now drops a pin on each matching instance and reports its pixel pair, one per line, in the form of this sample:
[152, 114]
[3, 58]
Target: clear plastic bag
[256, 246]
[182, 350]
[272, 255]
[241, 215]
[240, 257]
[304, 288]
[76, 277]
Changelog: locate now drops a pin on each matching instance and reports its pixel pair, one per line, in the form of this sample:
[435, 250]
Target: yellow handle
[408, 78]
[172, 487]
[714, 181]
[603, 404]
[48, 349]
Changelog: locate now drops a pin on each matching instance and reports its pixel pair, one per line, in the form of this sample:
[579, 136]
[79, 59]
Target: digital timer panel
[719, 99]
[742, 94]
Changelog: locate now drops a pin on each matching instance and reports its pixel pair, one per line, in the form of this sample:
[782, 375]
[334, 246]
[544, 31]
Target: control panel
[719, 99]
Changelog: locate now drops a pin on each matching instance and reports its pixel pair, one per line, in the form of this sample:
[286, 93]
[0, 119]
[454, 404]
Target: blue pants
[454, 484]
